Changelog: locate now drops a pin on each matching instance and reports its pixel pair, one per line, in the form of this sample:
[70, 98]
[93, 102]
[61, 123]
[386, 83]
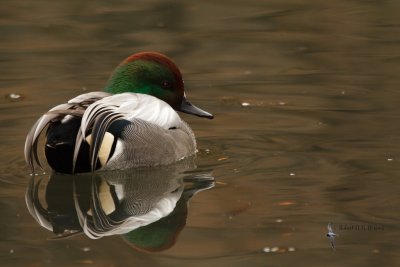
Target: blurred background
[306, 102]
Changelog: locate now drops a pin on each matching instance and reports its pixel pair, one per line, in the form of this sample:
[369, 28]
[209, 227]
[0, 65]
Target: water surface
[306, 132]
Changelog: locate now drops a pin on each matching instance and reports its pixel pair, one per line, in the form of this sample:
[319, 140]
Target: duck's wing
[74, 107]
[144, 114]
[133, 106]
[32, 138]
[88, 98]
[100, 126]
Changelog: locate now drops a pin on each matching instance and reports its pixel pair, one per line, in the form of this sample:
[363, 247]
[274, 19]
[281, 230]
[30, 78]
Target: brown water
[306, 129]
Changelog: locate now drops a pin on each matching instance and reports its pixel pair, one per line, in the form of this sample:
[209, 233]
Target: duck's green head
[153, 74]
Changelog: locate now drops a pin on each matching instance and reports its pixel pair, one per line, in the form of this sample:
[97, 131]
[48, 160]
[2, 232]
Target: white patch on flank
[89, 139]
[105, 148]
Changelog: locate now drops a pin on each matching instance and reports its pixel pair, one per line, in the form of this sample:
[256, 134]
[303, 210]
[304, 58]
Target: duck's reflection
[147, 206]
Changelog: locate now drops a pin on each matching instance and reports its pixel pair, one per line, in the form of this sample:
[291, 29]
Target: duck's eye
[166, 84]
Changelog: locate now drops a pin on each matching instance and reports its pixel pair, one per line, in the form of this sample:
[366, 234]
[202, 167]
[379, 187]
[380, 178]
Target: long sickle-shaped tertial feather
[31, 155]
[100, 127]
[90, 115]
[75, 107]
[78, 142]
[95, 122]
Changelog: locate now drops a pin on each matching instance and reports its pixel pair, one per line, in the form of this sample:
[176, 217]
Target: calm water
[306, 130]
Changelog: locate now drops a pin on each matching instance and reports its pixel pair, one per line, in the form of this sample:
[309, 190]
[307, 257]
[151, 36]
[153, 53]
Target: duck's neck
[122, 81]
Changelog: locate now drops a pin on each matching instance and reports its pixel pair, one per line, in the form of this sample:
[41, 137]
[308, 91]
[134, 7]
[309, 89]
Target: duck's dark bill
[187, 107]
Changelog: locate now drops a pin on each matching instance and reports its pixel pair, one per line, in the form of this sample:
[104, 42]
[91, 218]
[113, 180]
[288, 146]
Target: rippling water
[306, 132]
